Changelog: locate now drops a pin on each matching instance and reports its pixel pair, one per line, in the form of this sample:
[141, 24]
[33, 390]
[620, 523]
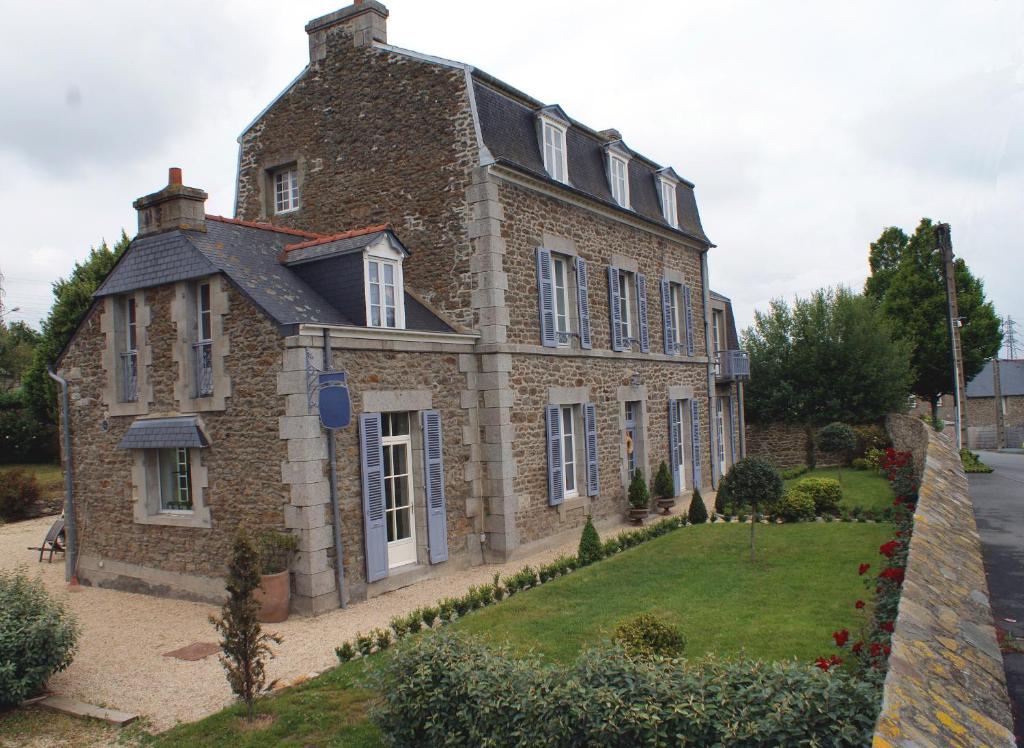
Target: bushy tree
[831, 357]
[17, 346]
[755, 482]
[590, 544]
[244, 645]
[698, 513]
[72, 299]
[908, 281]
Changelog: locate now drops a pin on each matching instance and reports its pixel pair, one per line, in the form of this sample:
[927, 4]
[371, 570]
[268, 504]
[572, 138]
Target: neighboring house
[732, 369]
[520, 305]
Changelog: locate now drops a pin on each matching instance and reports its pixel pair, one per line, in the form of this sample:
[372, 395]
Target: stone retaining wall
[785, 445]
[946, 685]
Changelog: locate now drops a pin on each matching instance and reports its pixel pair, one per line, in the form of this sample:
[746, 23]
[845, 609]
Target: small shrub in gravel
[345, 652]
[400, 626]
[381, 638]
[364, 644]
[414, 622]
[499, 591]
[37, 636]
[428, 615]
[446, 609]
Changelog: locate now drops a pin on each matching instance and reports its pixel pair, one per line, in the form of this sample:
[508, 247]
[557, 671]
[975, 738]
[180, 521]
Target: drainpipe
[712, 418]
[71, 531]
[332, 477]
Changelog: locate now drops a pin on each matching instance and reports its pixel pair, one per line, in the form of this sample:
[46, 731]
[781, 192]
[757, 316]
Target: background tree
[908, 281]
[754, 482]
[832, 357]
[17, 346]
[72, 299]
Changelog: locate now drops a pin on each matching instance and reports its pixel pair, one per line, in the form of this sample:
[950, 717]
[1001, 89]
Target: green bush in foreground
[37, 636]
[448, 689]
[590, 544]
[647, 635]
[826, 493]
[795, 505]
[698, 513]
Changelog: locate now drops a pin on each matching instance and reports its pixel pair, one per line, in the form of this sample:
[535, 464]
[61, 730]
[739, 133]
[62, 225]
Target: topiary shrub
[698, 513]
[639, 495]
[826, 493]
[752, 481]
[664, 487]
[795, 505]
[647, 635]
[590, 544]
[19, 490]
[37, 636]
[838, 438]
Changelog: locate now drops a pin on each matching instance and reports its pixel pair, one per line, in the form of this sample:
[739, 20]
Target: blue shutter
[556, 482]
[613, 307]
[546, 302]
[688, 315]
[371, 456]
[583, 301]
[674, 437]
[695, 442]
[668, 322]
[433, 479]
[641, 309]
[729, 429]
[590, 427]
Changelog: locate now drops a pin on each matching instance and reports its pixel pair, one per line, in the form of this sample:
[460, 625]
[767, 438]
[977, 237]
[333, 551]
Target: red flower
[897, 501]
[876, 649]
[886, 626]
[825, 665]
[857, 647]
[841, 637]
[863, 568]
[887, 649]
[859, 604]
[895, 573]
[890, 548]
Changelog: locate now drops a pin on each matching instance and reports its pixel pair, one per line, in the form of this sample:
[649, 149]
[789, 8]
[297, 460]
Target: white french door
[720, 415]
[398, 489]
[680, 455]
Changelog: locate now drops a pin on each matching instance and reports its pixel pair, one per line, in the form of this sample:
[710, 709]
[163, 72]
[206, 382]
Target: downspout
[709, 349]
[332, 478]
[71, 530]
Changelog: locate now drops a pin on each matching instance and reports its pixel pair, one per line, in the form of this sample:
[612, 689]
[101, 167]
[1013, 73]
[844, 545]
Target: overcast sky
[807, 127]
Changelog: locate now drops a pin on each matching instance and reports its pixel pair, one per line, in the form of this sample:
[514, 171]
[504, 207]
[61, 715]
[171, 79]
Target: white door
[680, 476]
[719, 413]
[398, 489]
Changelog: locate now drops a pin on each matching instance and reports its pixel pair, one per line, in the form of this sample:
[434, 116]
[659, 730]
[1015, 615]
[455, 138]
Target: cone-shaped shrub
[639, 495]
[663, 486]
[698, 513]
[590, 544]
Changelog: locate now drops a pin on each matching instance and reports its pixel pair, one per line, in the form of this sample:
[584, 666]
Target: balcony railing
[204, 368]
[732, 365]
[129, 377]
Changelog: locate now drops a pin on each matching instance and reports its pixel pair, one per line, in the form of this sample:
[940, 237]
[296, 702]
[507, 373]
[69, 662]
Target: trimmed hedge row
[450, 689]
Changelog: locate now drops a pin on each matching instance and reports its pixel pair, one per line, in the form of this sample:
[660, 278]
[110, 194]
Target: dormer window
[385, 293]
[618, 177]
[667, 192]
[555, 161]
[286, 190]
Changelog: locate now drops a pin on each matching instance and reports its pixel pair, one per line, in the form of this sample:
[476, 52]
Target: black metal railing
[731, 365]
[129, 376]
[204, 368]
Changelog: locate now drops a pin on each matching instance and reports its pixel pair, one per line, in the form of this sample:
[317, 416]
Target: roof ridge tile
[326, 239]
[264, 226]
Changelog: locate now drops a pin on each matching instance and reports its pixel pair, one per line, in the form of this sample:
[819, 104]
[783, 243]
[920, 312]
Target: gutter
[332, 479]
[71, 557]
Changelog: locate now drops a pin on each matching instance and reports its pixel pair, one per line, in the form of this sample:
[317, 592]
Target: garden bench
[54, 541]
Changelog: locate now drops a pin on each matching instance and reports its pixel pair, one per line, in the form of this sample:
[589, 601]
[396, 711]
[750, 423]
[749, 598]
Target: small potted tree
[274, 592]
[639, 498]
[752, 482]
[664, 489]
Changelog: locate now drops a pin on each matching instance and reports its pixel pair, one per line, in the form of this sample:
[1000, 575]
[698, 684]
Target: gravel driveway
[120, 660]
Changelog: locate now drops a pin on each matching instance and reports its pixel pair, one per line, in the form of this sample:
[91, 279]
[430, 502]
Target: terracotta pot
[665, 505]
[637, 516]
[273, 595]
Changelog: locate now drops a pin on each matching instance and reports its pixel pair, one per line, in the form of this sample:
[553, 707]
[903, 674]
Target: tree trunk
[935, 407]
[753, 523]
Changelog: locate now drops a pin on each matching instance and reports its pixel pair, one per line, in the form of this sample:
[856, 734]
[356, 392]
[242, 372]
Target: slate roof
[164, 433]
[1011, 380]
[249, 255]
[508, 126]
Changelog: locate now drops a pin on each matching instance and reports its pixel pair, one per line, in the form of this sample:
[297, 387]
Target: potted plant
[664, 489]
[639, 498]
[274, 593]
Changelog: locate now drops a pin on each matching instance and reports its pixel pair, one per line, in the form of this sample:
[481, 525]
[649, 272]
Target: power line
[1010, 337]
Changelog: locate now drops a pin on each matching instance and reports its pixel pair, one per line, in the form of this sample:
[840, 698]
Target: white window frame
[401, 551]
[567, 415]
[627, 290]
[204, 314]
[556, 157]
[718, 325]
[182, 458]
[669, 206]
[720, 437]
[679, 424]
[383, 254]
[285, 200]
[131, 325]
[619, 182]
[675, 310]
[562, 297]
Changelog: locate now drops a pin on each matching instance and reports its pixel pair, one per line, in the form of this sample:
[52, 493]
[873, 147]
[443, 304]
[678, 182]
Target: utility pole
[942, 235]
[1010, 337]
[997, 391]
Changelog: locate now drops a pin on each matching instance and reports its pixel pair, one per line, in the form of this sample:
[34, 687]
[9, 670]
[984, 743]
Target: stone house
[519, 305]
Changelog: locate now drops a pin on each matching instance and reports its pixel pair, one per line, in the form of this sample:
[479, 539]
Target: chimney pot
[174, 175]
[365, 22]
[174, 207]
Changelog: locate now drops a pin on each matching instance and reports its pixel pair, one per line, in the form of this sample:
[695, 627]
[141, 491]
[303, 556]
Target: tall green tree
[831, 357]
[17, 346]
[72, 299]
[908, 280]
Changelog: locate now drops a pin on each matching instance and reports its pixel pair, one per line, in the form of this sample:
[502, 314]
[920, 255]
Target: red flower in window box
[859, 604]
[841, 637]
[863, 568]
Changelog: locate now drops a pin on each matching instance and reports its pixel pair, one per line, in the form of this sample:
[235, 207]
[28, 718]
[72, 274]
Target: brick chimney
[174, 207]
[366, 22]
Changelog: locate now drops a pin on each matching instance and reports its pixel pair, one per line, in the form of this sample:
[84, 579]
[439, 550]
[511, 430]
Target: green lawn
[864, 488]
[786, 605]
[48, 475]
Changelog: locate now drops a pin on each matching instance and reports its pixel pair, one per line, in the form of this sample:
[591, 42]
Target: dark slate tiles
[164, 433]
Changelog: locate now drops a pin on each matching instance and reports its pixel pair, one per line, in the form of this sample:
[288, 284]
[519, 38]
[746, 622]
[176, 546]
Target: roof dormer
[617, 157]
[552, 131]
[668, 181]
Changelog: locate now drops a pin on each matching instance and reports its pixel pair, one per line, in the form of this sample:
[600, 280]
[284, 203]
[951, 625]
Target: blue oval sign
[335, 403]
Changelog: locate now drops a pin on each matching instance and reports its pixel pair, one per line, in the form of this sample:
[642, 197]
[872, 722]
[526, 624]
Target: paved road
[999, 511]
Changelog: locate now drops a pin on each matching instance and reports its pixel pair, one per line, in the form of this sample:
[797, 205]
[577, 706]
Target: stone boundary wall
[785, 445]
[945, 685]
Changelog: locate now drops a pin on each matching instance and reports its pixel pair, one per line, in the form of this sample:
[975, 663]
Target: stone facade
[945, 685]
[787, 445]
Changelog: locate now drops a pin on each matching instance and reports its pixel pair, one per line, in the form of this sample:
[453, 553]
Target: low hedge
[795, 505]
[826, 493]
[455, 690]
